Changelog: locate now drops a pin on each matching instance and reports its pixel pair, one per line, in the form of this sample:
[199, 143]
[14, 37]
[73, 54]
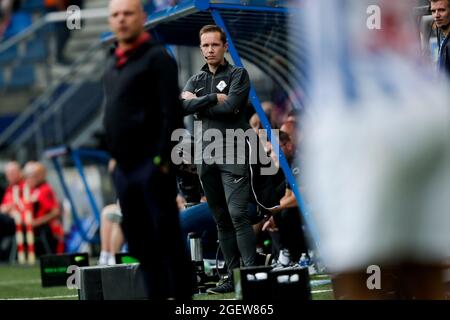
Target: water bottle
[196, 247]
[197, 259]
[304, 261]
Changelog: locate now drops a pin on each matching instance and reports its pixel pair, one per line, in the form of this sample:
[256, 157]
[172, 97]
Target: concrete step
[89, 69]
[15, 102]
[88, 32]
[79, 45]
[96, 4]
[93, 26]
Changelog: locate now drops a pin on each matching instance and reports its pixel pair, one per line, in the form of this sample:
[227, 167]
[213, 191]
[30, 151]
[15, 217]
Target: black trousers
[151, 227]
[7, 225]
[227, 192]
[7, 229]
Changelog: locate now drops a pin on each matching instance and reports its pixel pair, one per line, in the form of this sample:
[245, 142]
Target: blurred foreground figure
[376, 157]
[142, 110]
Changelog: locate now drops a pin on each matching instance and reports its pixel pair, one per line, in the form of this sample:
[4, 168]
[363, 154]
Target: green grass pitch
[23, 282]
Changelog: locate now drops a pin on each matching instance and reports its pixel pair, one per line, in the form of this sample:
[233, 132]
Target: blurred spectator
[255, 122]
[13, 174]
[163, 4]
[2, 189]
[46, 211]
[5, 11]
[268, 107]
[62, 33]
[285, 224]
[293, 115]
[111, 234]
[290, 127]
[7, 7]
[190, 191]
[440, 10]
[15, 180]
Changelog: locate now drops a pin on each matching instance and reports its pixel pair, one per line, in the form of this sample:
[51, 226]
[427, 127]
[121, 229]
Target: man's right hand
[221, 98]
[186, 95]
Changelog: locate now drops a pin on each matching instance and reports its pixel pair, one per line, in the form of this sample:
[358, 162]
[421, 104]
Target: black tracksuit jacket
[142, 104]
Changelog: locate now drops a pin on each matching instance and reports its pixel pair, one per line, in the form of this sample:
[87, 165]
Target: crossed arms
[217, 104]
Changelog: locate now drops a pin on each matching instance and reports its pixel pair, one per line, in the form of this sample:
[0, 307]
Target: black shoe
[224, 286]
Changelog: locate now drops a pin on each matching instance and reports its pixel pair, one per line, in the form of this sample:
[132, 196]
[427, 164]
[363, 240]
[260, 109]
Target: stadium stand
[23, 76]
[33, 6]
[2, 82]
[36, 50]
[8, 56]
[80, 89]
[20, 20]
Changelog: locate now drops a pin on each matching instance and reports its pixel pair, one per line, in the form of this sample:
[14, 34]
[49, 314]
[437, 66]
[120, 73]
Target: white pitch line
[44, 298]
[317, 283]
[321, 291]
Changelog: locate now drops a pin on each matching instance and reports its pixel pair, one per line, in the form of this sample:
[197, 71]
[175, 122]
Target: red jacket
[8, 197]
[44, 200]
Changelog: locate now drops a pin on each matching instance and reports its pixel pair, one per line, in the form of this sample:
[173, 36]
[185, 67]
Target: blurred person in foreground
[376, 157]
[142, 110]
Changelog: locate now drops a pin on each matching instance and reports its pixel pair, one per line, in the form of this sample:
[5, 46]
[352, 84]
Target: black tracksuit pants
[227, 194]
[152, 229]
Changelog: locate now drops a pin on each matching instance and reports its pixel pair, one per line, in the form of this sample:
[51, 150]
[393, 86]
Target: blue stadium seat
[7, 56]
[2, 80]
[22, 77]
[36, 50]
[6, 120]
[106, 34]
[19, 21]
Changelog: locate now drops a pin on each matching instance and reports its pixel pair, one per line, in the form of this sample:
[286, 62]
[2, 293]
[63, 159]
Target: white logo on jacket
[222, 85]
